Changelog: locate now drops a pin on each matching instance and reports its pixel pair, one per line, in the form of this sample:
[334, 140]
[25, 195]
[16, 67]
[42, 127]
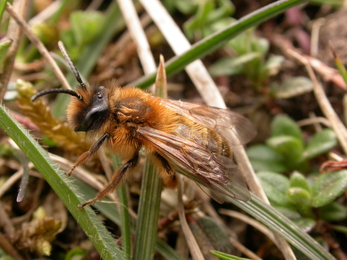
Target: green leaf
[215, 233]
[273, 64]
[285, 126]
[339, 228]
[231, 66]
[261, 45]
[4, 46]
[275, 186]
[264, 158]
[297, 180]
[2, 7]
[333, 212]
[86, 25]
[301, 198]
[320, 143]
[328, 187]
[305, 224]
[294, 86]
[290, 148]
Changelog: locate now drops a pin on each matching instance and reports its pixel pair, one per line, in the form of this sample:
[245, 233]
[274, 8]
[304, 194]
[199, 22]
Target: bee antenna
[72, 67]
[58, 91]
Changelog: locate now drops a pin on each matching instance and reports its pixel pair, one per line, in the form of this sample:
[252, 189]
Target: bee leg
[169, 176]
[95, 147]
[116, 179]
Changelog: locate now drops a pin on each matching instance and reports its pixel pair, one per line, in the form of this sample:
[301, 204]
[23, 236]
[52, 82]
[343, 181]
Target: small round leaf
[297, 180]
[333, 212]
[283, 125]
[288, 147]
[320, 143]
[275, 186]
[328, 187]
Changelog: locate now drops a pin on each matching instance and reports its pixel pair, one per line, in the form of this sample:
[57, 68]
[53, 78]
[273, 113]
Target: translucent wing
[212, 170]
[234, 127]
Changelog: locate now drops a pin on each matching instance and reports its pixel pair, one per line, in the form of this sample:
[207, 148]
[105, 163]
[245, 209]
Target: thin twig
[10, 181]
[39, 45]
[14, 33]
[312, 121]
[328, 73]
[317, 24]
[9, 248]
[323, 102]
[6, 223]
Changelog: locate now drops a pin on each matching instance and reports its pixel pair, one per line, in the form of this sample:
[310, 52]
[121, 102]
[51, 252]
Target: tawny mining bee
[178, 137]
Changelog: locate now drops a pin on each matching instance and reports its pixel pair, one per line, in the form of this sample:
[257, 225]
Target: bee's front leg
[93, 149]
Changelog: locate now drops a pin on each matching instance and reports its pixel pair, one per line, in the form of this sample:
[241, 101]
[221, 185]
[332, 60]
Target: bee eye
[96, 113]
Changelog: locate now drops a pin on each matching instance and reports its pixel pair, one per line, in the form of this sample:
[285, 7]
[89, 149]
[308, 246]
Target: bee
[178, 137]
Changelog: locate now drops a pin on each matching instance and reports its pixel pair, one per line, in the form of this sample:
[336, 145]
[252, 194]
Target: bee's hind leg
[167, 174]
[117, 178]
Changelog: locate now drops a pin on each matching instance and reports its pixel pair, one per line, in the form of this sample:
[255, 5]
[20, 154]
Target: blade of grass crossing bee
[150, 197]
[124, 213]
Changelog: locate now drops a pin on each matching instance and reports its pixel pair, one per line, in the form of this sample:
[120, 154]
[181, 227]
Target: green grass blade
[2, 7]
[216, 40]
[148, 214]
[110, 211]
[63, 186]
[124, 212]
[283, 226]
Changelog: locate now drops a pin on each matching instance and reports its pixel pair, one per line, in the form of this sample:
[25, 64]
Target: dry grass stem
[317, 24]
[39, 45]
[14, 33]
[6, 223]
[312, 121]
[9, 248]
[188, 234]
[323, 101]
[138, 35]
[328, 73]
[10, 181]
[178, 42]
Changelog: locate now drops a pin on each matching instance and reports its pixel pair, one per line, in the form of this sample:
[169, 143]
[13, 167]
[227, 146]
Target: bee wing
[234, 127]
[220, 174]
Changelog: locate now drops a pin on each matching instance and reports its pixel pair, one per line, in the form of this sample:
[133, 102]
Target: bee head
[92, 112]
[89, 108]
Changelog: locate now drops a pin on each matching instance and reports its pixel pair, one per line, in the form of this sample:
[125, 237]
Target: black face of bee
[96, 112]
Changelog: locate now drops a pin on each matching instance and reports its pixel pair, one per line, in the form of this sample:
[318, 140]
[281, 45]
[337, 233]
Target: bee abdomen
[205, 137]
